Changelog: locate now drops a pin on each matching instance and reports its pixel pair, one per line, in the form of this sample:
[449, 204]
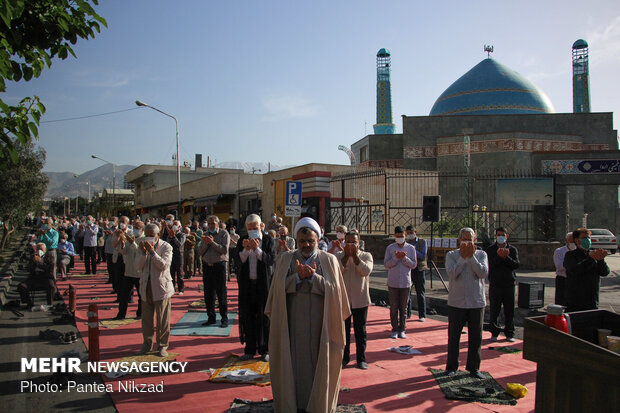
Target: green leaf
[27, 70]
[62, 52]
[33, 130]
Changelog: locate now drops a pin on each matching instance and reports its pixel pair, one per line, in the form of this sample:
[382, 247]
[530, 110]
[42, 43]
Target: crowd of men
[312, 288]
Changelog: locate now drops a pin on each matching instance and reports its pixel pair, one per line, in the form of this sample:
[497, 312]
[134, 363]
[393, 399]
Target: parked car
[604, 238]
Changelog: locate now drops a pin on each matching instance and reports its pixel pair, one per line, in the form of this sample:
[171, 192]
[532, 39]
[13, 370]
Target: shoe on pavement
[163, 352]
[477, 374]
[493, 339]
[510, 339]
[208, 322]
[362, 365]
[119, 317]
[145, 349]
[224, 324]
[180, 292]
[394, 335]
[450, 373]
[265, 358]
[246, 357]
[422, 319]
[402, 335]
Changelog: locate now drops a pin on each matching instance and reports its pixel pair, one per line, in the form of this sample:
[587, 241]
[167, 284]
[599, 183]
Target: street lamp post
[176, 124]
[113, 182]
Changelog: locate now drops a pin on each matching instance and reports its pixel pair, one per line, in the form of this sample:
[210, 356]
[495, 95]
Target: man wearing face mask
[90, 245]
[337, 244]
[503, 261]
[307, 306]
[129, 252]
[49, 236]
[285, 243]
[400, 259]
[174, 236]
[256, 252]
[417, 274]
[584, 267]
[560, 271]
[153, 264]
[274, 223]
[214, 253]
[356, 268]
[467, 268]
[118, 242]
[109, 252]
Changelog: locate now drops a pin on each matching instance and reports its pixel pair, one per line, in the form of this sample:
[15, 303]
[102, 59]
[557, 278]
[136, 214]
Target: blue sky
[287, 82]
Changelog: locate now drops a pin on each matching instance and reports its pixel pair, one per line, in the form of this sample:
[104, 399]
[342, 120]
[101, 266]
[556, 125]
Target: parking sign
[293, 199]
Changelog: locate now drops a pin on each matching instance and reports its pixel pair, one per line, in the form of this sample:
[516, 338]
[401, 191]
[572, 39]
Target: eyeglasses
[307, 241]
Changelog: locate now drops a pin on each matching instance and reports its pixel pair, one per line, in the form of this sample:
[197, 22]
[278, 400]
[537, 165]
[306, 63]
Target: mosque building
[499, 121]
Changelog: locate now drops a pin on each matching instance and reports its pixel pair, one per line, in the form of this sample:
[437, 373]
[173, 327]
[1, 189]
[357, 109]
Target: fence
[376, 200]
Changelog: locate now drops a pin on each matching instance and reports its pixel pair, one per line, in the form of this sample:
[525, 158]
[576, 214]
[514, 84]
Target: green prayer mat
[248, 406]
[506, 349]
[461, 386]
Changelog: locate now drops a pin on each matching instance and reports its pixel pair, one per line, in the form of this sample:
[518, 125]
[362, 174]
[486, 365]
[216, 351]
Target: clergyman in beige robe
[307, 339]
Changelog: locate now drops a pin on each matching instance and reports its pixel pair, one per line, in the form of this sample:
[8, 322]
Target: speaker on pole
[431, 206]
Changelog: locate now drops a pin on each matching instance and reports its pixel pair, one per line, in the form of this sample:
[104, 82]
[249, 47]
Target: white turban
[307, 222]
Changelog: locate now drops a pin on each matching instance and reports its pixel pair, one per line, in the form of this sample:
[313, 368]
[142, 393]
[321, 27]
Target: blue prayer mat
[191, 325]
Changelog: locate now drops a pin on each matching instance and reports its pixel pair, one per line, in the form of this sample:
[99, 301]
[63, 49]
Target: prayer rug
[248, 406]
[461, 386]
[506, 349]
[198, 304]
[117, 323]
[80, 276]
[235, 370]
[191, 325]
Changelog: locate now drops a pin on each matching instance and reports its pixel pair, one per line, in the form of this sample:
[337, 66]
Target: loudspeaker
[431, 205]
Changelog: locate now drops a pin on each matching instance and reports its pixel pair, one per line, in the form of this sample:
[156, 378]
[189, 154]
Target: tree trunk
[6, 232]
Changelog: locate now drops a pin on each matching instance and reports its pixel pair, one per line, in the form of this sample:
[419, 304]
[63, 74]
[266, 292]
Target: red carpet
[392, 383]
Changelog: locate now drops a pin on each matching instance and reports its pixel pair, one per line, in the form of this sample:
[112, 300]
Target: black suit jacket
[264, 272]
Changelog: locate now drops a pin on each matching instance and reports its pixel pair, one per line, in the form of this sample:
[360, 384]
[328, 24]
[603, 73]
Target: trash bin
[531, 295]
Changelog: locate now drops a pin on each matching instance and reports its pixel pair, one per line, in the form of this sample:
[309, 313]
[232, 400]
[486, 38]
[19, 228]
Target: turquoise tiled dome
[490, 88]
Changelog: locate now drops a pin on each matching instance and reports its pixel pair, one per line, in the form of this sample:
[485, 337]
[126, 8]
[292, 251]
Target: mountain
[71, 184]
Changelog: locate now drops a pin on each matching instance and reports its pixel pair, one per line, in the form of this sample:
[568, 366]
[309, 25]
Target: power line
[88, 116]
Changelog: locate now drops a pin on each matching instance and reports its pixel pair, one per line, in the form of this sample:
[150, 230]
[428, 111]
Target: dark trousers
[37, 283]
[359, 316]
[126, 290]
[560, 290]
[214, 281]
[417, 279]
[457, 317]
[256, 326]
[119, 274]
[100, 254]
[90, 260]
[505, 296]
[197, 263]
[176, 272]
[399, 297]
[110, 266]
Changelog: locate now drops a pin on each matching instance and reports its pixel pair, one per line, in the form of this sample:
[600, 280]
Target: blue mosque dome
[490, 88]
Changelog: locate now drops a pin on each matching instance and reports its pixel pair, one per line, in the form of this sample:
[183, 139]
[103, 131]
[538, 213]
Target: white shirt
[254, 256]
[558, 260]
[467, 279]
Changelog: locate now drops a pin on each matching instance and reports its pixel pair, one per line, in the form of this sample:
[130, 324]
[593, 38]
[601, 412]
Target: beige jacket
[357, 278]
[161, 281]
[324, 395]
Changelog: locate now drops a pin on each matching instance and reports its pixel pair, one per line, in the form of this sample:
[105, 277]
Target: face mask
[273, 217]
[501, 239]
[168, 222]
[572, 247]
[232, 232]
[150, 239]
[136, 232]
[205, 227]
[88, 223]
[41, 253]
[400, 240]
[111, 225]
[213, 231]
[175, 228]
[45, 227]
[339, 235]
[254, 234]
[122, 225]
[586, 243]
[411, 236]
